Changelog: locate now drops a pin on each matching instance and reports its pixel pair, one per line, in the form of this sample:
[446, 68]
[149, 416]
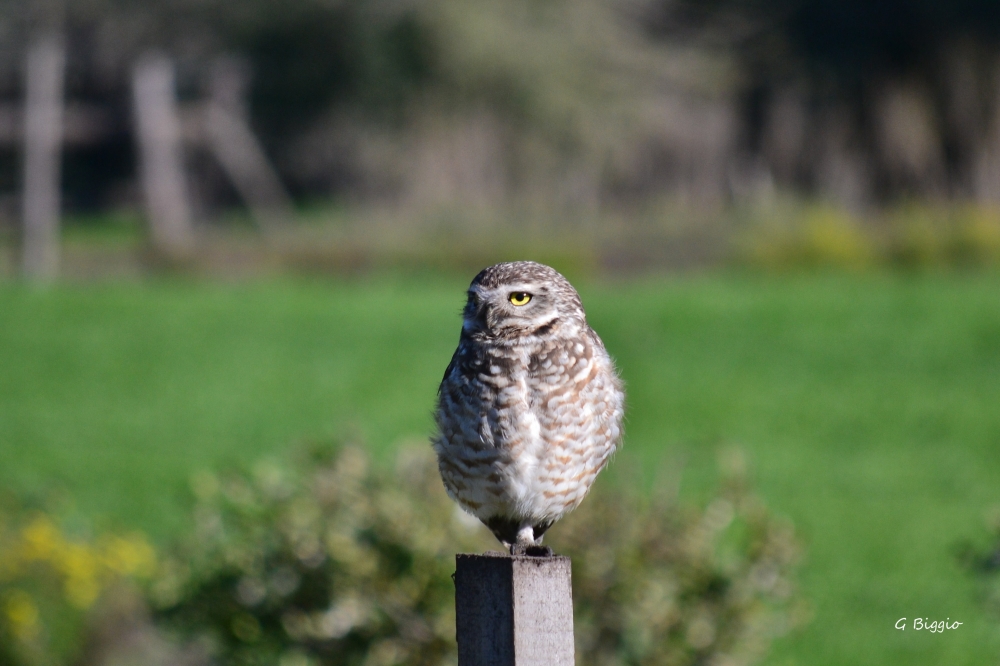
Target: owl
[530, 407]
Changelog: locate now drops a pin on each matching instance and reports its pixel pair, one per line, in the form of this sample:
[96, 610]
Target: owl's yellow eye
[519, 298]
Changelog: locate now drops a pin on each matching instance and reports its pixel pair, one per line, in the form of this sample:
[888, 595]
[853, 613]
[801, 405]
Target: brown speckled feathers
[530, 408]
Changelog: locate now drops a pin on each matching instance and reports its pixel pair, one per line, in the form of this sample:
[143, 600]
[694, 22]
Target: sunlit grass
[867, 406]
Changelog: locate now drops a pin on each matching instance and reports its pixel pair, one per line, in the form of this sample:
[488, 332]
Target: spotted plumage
[530, 408]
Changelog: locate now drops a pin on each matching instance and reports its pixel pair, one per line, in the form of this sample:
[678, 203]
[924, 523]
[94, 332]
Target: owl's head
[519, 299]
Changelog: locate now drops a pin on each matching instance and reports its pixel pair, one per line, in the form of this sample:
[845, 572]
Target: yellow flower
[79, 563]
[130, 556]
[22, 613]
[82, 592]
[40, 539]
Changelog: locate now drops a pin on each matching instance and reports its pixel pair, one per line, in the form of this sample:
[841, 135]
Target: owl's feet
[527, 544]
[518, 538]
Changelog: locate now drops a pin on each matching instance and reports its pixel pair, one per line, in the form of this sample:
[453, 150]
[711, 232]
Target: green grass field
[869, 407]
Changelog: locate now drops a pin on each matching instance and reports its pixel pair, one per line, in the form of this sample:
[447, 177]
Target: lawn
[868, 406]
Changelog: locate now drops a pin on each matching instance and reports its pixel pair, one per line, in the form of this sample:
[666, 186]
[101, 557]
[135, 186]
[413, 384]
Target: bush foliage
[333, 561]
[659, 583]
[328, 561]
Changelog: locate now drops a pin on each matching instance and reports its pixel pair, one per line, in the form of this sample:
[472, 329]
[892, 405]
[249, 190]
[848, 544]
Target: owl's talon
[538, 551]
[530, 550]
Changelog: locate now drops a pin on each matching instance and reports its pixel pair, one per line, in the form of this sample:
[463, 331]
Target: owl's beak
[483, 316]
[477, 316]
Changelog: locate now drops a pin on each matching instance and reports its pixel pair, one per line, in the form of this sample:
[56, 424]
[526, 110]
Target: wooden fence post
[232, 141]
[513, 610]
[161, 159]
[43, 130]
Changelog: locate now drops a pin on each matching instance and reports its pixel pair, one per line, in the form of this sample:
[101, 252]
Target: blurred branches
[844, 41]
[557, 109]
[419, 103]
[904, 94]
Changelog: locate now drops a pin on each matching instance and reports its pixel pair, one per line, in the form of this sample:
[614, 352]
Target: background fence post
[232, 141]
[43, 130]
[160, 155]
[513, 611]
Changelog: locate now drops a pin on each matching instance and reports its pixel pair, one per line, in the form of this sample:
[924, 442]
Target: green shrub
[331, 561]
[908, 235]
[326, 561]
[660, 584]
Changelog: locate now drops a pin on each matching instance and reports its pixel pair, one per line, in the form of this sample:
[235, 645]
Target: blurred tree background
[583, 111]
[898, 98]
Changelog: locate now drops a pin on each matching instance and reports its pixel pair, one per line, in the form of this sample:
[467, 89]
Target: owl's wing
[450, 369]
[576, 392]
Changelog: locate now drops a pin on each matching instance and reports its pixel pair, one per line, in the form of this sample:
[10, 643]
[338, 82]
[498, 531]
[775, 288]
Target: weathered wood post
[232, 141]
[160, 155]
[513, 610]
[43, 130]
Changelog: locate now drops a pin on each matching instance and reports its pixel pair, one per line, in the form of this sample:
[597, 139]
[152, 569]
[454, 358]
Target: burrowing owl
[530, 407]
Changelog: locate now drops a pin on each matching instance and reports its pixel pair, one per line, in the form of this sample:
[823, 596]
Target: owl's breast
[484, 402]
[487, 432]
